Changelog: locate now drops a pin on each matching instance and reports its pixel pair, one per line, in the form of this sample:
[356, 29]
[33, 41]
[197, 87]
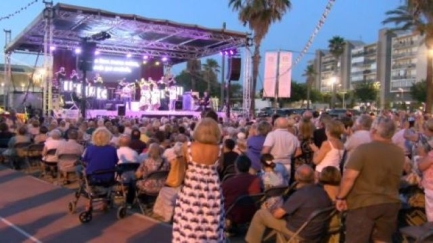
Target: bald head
[124, 141]
[304, 174]
[281, 123]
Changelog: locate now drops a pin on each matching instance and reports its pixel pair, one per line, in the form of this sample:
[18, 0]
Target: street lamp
[332, 82]
[22, 87]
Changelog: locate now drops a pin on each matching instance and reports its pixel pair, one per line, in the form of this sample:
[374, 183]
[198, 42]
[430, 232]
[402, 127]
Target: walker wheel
[71, 207]
[85, 217]
[121, 212]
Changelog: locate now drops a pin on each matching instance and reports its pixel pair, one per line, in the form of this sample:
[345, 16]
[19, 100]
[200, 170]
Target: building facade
[394, 62]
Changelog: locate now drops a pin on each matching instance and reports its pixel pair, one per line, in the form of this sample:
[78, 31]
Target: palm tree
[310, 73]
[417, 16]
[193, 66]
[259, 15]
[336, 47]
[211, 69]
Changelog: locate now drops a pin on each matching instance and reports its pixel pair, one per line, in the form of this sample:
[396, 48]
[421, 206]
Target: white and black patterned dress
[199, 211]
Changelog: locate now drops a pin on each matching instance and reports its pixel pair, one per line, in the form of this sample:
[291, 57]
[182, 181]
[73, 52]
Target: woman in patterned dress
[199, 210]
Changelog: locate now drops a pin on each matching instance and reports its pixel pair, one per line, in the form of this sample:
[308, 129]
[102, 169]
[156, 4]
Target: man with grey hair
[124, 152]
[71, 146]
[53, 143]
[361, 133]
[370, 186]
[282, 144]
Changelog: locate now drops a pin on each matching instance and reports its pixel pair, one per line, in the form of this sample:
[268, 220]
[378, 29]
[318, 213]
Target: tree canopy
[418, 91]
[366, 91]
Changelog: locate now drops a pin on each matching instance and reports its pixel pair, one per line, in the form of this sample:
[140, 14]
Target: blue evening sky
[351, 19]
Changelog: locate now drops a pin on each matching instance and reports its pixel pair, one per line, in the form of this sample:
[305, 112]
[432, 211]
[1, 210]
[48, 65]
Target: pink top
[427, 181]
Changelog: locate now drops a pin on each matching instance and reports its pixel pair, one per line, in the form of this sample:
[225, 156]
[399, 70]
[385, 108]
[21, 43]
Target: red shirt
[242, 184]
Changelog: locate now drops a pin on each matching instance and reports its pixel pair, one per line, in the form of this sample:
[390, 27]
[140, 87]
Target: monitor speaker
[234, 71]
[121, 110]
[178, 105]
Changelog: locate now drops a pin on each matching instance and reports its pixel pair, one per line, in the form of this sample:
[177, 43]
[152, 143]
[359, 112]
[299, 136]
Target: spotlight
[77, 50]
[146, 57]
[231, 52]
[164, 59]
[101, 36]
[128, 55]
[226, 53]
[97, 52]
[52, 48]
[157, 63]
[144, 62]
[221, 53]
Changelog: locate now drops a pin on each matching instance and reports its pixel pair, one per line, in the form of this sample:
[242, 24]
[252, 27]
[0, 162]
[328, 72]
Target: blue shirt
[100, 158]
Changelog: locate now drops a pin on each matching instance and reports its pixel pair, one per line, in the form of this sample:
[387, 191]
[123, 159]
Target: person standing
[369, 190]
[199, 210]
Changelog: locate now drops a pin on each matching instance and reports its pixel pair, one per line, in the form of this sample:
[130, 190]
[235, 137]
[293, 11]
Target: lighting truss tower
[48, 58]
[247, 82]
[7, 70]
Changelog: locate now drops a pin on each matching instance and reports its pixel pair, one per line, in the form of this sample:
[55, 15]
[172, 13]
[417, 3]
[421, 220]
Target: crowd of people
[355, 164]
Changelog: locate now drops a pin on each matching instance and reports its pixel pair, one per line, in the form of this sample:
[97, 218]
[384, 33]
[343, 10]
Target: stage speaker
[234, 71]
[121, 110]
[178, 105]
[87, 56]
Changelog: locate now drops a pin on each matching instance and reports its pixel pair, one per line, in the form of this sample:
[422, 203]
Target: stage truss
[62, 26]
[247, 79]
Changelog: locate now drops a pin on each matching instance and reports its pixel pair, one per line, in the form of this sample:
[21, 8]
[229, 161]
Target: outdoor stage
[129, 113]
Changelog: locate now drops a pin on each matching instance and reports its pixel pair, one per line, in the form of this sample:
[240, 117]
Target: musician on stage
[74, 76]
[61, 74]
[205, 101]
[98, 81]
[126, 96]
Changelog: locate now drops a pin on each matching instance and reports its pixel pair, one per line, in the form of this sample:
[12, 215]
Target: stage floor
[129, 113]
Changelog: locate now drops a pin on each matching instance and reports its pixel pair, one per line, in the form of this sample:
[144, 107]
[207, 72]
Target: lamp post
[332, 82]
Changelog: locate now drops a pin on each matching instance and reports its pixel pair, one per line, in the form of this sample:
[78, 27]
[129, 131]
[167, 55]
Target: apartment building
[408, 64]
[395, 61]
[324, 64]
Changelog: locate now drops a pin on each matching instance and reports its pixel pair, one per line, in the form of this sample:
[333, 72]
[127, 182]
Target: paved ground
[32, 210]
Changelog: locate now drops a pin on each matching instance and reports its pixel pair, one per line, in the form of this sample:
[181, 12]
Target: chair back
[20, 149]
[157, 175]
[51, 152]
[22, 145]
[35, 150]
[244, 208]
[276, 191]
[68, 157]
[328, 212]
[228, 176]
[4, 142]
[128, 166]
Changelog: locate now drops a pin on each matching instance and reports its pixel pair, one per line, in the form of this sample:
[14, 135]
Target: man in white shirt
[124, 152]
[360, 136]
[282, 144]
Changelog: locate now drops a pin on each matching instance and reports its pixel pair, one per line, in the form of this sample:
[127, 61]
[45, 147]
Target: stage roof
[129, 34]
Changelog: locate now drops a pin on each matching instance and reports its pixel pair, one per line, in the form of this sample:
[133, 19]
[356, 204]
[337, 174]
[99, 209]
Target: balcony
[402, 77]
[403, 66]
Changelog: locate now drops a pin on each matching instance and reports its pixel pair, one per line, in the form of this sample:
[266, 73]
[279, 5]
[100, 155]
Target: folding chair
[20, 155]
[48, 164]
[276, 191]
[156, 175]
[295, 237]
[66, 163]
[422, 233]
[34, 153]
[247, 206]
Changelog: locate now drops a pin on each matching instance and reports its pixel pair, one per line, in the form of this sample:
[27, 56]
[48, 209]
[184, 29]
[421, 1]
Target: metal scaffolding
[48, 59]
[247, 82]
[7, 70]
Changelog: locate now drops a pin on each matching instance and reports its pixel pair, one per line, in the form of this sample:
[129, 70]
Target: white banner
[285, 75]
[270, 74]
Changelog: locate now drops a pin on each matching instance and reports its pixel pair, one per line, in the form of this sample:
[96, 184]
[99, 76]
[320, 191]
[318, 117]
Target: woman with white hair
[53, 143]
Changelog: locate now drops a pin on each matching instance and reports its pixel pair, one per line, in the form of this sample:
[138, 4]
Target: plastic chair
[422, 233]
[70, 161]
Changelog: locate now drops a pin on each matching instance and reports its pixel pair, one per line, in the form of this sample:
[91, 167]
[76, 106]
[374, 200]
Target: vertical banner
[270, 77]
[285, 75]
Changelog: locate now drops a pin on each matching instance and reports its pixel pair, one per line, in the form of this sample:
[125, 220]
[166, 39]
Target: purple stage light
[77, 50]
[52, 48]
[226, 53]
[164, 59]
[231, 52]
[145, 57]
[222, 53]
[128, 55]
[97, 52]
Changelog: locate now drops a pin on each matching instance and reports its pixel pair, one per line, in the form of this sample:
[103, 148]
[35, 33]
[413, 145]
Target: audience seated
[242, 184]
[136, 143]
[41, 137]
[228, 159]
[153, 162]
[70, 146]
[330, 179]
[271, 178]
[165, 202]
[294, 212]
